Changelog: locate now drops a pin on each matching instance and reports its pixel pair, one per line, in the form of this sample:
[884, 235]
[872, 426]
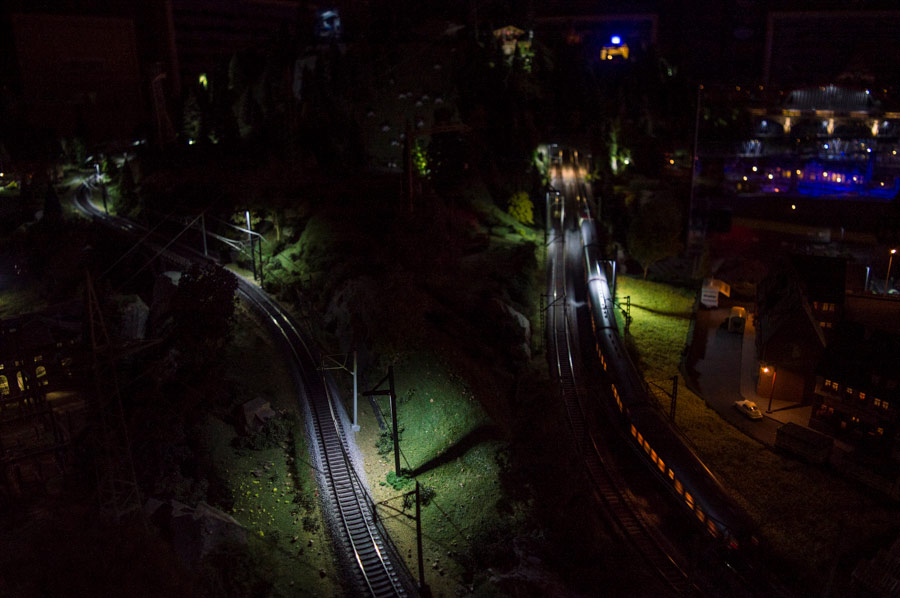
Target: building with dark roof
[857, 391]
[790, 335]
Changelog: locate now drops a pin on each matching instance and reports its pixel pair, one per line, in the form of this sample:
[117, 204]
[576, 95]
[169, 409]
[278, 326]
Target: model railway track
[605, 485]
[377, 569]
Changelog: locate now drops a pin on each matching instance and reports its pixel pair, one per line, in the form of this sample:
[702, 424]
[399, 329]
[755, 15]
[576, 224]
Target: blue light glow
[615, 40]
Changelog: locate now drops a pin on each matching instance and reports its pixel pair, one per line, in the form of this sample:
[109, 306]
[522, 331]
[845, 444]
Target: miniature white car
[748, 408]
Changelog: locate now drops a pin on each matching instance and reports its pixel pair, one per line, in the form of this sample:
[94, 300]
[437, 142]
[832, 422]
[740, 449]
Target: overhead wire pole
[424, 590]
[117, 486]
[393, 398]
[336, 365]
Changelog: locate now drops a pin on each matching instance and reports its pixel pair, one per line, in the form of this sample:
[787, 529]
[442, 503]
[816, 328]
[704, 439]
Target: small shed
[709, 293]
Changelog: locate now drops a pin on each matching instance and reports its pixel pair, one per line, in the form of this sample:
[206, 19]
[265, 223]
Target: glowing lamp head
[765, 370]
[893, 251]
[615, 40]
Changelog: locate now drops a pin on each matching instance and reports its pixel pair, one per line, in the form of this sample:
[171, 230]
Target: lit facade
[822, 141]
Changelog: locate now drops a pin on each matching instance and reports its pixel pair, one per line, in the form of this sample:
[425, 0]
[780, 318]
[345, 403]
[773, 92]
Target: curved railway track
[606, 485]
[375, 566]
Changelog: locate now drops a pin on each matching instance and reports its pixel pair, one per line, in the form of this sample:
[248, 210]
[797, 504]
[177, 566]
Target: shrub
[521, 207]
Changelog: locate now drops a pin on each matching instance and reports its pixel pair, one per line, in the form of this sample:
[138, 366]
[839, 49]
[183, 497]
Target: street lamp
[888, 277]
[766, 370]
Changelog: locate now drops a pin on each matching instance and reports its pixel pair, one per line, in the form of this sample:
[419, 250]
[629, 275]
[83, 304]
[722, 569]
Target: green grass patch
[266, 481]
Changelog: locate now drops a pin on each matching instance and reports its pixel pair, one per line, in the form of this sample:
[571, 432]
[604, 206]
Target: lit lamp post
[766, 371]
[888, 277]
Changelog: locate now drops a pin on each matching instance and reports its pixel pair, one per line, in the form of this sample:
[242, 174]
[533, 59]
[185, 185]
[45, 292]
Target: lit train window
[678, 487]
[662, 466]
[689, 499]
[640, 439]
[653, 456]
[647, 448]
[671, 474]
[700, 515]
[633, 430]
[711, 526]
[619, 403]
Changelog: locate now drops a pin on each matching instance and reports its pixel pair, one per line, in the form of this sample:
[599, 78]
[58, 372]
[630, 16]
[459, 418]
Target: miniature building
[828, 140]
[789, 339]
[857, 394]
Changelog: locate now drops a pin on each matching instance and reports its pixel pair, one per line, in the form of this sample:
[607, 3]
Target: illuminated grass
[448, 444]
[271, 492]
[805, 513]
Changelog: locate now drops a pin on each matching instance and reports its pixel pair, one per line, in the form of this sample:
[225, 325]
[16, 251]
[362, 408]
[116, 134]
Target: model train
[649, 431]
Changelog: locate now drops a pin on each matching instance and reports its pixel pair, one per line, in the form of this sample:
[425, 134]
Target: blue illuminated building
[826, 141]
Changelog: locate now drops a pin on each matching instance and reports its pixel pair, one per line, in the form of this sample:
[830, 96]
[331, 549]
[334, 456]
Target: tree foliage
[203, 312]
[655, 232]
[521, 207]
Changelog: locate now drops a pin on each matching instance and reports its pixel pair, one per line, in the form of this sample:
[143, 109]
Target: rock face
[253, 415]
[521, 323]
[194, 532]
[529, 577]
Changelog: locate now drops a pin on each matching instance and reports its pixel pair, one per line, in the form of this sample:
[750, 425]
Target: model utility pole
[393, 397]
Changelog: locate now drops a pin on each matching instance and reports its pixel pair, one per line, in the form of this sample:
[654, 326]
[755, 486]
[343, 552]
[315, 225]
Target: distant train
[650, 433]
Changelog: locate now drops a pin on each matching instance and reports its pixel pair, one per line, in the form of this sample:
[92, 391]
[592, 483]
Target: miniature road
[723, 367]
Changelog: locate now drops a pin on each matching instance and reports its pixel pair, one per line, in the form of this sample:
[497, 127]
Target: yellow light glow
[771, 176]
[798, 172]
[754, 169]
[671, 161]
[793, 206]
[745, 177]
[203, 81]
[765, 370]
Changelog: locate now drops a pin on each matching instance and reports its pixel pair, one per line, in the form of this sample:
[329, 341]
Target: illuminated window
[876, 402]
[647, 448]
[640, 439]
[653, 456]
[700, 515]
[879, 431]
[885, 404]
[827, 383]
[20, 379]
[711, 526]
[689, 499]
[4, 385]
[849, 390]
[671, 474]
[633, 430]
[678, 487]
[862, 396]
